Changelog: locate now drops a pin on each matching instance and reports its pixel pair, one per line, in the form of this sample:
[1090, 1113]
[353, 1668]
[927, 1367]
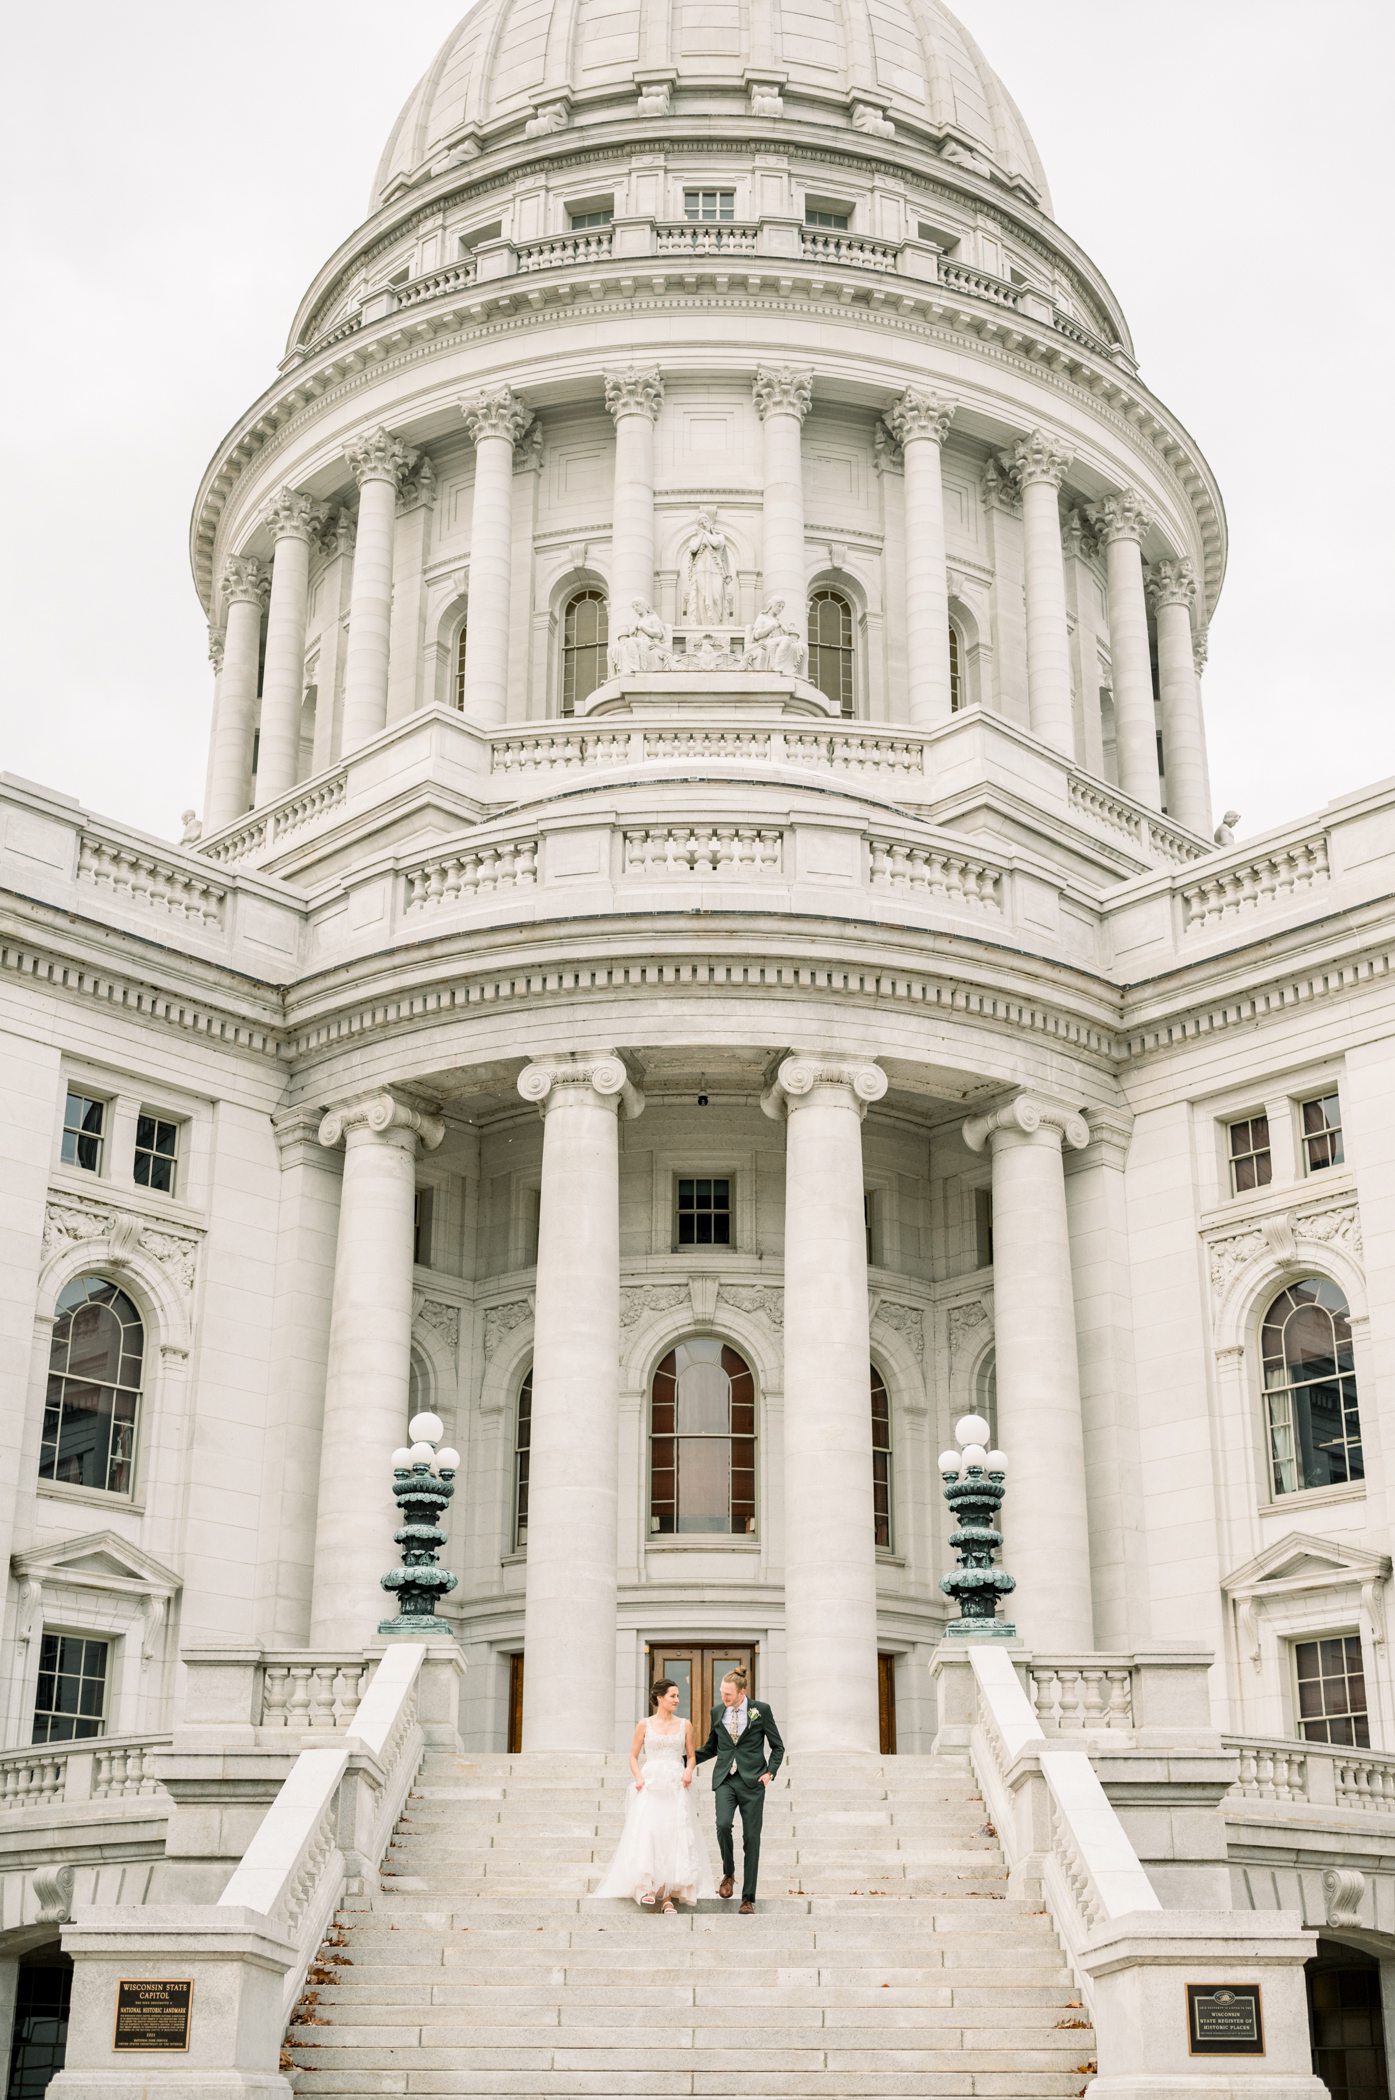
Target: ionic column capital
[1024, 1116]
[786, 390]
[548, 1080]
[496, 411]
[291, 514]
[383, 1115]
[379, 456]
[920, 415]
[245, 581]
[1122, 516]
[1037, 457]
[809, 1076]
[1172, 583]
[636, 391]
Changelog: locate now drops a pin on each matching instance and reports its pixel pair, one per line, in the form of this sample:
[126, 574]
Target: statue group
[707, 613]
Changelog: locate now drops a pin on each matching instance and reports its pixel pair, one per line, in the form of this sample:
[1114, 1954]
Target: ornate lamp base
[414, 1628]
[979, 1630]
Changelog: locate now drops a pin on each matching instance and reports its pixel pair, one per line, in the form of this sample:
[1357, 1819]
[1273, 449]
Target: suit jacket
[759, 1735]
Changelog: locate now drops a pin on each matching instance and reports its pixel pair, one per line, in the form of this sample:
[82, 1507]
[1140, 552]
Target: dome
[548, 62]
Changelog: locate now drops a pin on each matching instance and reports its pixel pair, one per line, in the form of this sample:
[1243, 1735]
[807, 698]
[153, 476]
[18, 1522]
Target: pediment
[98, 1560]
[1301, 1561]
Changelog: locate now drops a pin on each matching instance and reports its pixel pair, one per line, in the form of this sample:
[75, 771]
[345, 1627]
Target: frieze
[1278, 1237]
[69, 1223]
[765, 1300]
[906, 1320]
[639, 1299]
[501, 1320]
[442, 1319]
[965, 1320]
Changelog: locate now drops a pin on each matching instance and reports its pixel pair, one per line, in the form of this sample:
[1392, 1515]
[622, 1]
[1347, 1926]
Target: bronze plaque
[152, 2015]
[1224, 2019]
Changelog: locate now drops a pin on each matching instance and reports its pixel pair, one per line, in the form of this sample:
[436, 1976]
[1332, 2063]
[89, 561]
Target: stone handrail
[979, 284]
[471, 871]
[564, 248]
[1144, 830]
[148, 882]
[1090, 1695]
[1315, 1775]
[292, 813]
[299, 1691]
[453, 278]
[1241, 887]
[706, 237]
[937, 872]
[97, 1768]
[733, 851]
[818, 245]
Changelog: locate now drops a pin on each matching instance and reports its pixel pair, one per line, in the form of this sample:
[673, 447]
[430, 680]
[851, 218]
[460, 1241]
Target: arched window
[986, 1390]
[94, 1385]
[459, 686]
[881, 1459]
[418, 1385]
[1310, 1388]
[585, 636]
[702, 1441]
[522, 1441]
[831, 648]
[956, 671]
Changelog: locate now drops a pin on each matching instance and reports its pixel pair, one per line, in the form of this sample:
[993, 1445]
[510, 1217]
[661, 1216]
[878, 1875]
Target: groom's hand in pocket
[765, 1779]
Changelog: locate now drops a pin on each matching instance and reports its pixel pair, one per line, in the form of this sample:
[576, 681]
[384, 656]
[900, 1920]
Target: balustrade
[564, 248]
[719, 850]
[897, 864]
[98, 1768]
[1250, 886]
[146, 882]
[478, 871]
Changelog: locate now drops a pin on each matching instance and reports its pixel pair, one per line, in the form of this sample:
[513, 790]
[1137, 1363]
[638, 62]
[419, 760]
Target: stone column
[783, 395]
[1172, 588]
[1040, 467]
[235, 717]
[1120, 522]
[1039, 1414]
[830, 1549]
[496, 419]
[920, 423]
[293, 520]
[370, 1340]
[216, 640]
[378, 462]
[569, 1605]
[634, 398]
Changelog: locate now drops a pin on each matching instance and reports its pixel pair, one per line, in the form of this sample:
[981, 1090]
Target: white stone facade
[869, 938]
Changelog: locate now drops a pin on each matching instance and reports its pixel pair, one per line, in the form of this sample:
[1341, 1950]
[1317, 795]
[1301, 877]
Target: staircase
[885, 1956]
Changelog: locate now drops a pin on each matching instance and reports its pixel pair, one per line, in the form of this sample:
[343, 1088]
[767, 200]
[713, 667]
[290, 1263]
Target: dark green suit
[736, 1784]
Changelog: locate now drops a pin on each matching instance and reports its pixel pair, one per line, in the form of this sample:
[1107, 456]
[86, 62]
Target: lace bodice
[664, 1754]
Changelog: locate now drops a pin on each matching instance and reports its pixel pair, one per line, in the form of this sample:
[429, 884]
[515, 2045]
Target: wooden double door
[698, 1673]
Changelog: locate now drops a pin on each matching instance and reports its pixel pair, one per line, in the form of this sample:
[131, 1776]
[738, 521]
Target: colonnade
[497, 418]
[830, 1557]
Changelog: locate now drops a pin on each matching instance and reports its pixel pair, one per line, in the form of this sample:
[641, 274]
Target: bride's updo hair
[657, 1690]
[736, 1677]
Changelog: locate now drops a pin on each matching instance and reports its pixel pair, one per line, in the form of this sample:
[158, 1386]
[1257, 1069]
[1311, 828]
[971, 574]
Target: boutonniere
[754, 1714]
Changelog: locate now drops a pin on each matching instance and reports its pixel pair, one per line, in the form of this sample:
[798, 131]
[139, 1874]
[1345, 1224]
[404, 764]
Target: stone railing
[817, 245]
[147, 882]
[100, 1768]
[1089, 1696]
[474, 871]
[300, 1692]
[844, 748]
[732, 852]
[266, 1695]
[564, 248]
[1313, 1775]
[979, 284]
[1076, 332]
[1248, 886]
[936, 872]
[295, 812]
[705, 237]
[455, 277]
[1142, 829]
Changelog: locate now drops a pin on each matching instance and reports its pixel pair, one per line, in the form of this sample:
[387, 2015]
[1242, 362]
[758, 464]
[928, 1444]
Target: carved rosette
[382, 1115]
[783, 390]
[379, 456]
[638, 391]
[550, 1079]
[1122, 516]
[1024, 1116]
[920, 415]
[1038, 457]
[245, 581]
[496, 412]
[804, 1079]
[293, 515]
[69, 1223]
[1172, 583]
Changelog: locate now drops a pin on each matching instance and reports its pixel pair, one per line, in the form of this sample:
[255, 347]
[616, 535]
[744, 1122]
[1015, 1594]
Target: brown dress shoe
[747, 1910]
[727, 1885]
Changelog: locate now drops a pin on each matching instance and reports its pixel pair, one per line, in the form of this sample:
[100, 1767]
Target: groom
[741, 1734]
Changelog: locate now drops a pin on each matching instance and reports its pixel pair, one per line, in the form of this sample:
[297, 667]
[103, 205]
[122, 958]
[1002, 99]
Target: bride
[660, 1857]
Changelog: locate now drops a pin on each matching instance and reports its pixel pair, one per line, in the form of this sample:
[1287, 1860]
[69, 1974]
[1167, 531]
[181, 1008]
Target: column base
[979, 1630]
[414, 1629]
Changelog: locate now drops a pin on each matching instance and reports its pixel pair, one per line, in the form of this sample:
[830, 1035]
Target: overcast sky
[176, 172]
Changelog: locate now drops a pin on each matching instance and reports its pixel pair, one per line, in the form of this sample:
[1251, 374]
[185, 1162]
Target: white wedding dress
[660, 1852]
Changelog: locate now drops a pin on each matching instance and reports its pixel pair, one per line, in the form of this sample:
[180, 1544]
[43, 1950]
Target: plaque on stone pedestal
[152, 2014]
[1224, 2019]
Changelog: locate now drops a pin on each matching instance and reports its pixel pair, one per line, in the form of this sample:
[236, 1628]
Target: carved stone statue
[708, 652]
[645, 644]
[193, 830]
[708, 597]
[1224, 833]
[775, 645]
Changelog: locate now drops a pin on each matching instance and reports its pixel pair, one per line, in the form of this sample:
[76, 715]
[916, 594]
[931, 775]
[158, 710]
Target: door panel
[698, 1673]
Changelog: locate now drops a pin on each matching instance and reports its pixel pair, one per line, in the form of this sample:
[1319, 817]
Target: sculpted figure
[709, 576]
[1224, 833]
[643, 645]
[193, 830]
[708, 653]
[775, 645]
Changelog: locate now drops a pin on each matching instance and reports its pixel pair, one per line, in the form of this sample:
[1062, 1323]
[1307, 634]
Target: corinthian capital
[920, 415]
[379, 456]
[1122, 516]
[382, 1114]
[783, 390]
[245, 581]
[855, 1082]
[293, 515]
[1037, 457]
[1172, 583]
[637, 391]
[496, 411]
[549, 1080]
[1024, 1117]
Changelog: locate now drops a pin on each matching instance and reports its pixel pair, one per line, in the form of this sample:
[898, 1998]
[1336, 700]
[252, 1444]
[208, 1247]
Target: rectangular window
[1332, 1691]
[983, 1227]
[157, 1153]
[594, 215]
[828, 221]
[1251, 1163]
[1322, 1133]
[83, 1124]
[709, 204]
[423, 1205]
[703, 1213]
[71, 1700]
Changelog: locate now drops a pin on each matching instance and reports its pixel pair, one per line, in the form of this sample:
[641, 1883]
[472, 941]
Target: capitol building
[706, 953]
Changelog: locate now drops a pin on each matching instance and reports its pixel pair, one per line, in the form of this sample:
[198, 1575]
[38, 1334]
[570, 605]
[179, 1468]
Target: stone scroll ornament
[423, 1480]
[975, 1482]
